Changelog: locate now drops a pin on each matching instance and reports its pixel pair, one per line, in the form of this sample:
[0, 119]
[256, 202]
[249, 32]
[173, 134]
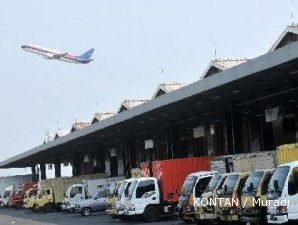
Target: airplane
[62, 56]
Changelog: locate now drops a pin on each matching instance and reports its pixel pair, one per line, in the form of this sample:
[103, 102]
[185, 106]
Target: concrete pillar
[33, 170]
[43, 175]
[57, 169]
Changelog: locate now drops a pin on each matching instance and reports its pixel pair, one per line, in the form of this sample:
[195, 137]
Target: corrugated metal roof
[293, 28]
[101, 116]
[79, 126]
[167, 88]
[61, 133]
[243, 70]
[130, 103]
[222, 64]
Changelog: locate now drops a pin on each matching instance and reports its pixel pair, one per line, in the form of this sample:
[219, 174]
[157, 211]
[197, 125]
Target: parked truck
[151, 197]
[229, 193]
[51, 192]
[8, 184]
[29, 198]
[253, 197]
[282, 195]
[17, 196]
[123, 193]
[112, 197]
[209, 212]
[191, 191]
[77, 193]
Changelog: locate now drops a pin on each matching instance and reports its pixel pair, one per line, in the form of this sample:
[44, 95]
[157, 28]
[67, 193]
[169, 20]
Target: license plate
[273, 218]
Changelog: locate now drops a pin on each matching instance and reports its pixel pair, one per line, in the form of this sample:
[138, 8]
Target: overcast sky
[133, 40]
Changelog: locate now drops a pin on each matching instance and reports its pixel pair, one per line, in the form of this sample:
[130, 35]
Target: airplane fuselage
[54, 54]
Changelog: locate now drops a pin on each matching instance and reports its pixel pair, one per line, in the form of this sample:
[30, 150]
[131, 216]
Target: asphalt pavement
[26, 217]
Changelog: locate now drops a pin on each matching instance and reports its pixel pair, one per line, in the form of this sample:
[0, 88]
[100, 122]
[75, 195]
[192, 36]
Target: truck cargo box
[61, 184]
[287, 153]
[172, 173]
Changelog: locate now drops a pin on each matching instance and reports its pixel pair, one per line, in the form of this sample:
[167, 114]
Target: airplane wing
[58, 56]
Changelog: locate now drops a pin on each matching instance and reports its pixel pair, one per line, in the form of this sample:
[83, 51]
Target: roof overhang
[253, 70]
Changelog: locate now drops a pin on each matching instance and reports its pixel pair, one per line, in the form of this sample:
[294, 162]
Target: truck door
[146, 193]
[100, 200]
[76, 194]
[293, 195]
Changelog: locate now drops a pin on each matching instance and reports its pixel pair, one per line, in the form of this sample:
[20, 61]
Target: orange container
[172, 173]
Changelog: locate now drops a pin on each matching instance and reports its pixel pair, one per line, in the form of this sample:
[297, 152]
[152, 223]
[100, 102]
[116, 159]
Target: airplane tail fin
[88, 54]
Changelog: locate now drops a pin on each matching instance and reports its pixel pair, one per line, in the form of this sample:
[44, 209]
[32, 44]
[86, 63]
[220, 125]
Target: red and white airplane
[62, 56]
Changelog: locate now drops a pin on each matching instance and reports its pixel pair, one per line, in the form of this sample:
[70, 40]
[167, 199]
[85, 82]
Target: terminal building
[236, 106]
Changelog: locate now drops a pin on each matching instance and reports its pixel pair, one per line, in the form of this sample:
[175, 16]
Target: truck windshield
[228, 186]
[277, 182]
[112, 189]
[252, 183]
[188, 185]
[213, 183]
[132, 188]
[121, 188]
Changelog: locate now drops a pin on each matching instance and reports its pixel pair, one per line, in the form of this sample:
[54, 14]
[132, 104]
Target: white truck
[77, 193]
[6, 194]
[282, 195]
[122, 194]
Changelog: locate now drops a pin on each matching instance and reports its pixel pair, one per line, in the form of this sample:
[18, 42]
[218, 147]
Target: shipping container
[172, 173]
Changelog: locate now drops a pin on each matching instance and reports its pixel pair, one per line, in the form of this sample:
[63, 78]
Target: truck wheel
[150, 214]
[48, 208]
[35, 208]
[86, 211]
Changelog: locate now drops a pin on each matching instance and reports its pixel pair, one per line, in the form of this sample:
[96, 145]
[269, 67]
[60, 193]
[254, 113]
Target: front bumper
[225, 215]
[277, 219]
[111, 212]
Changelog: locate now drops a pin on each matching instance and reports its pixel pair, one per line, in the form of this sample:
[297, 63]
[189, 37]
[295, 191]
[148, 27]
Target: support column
[57, 169]
[33, 170]
[43, 175]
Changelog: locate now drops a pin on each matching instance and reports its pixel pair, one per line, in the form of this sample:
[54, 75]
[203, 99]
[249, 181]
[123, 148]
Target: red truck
[151, 197]
[17, 196]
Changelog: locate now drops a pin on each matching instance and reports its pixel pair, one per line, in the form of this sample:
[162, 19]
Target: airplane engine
[48, 56]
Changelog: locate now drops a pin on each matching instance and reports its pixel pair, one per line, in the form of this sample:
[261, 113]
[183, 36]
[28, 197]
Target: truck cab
[74, 194]
[112, 196]
[229, 195]
[282, 195]
[253, 197]
[122, 194]
[208, 211]
[6, 195]
[44, 200]
[29, 198]
[191, 191]
[144, 198]
[16, 199]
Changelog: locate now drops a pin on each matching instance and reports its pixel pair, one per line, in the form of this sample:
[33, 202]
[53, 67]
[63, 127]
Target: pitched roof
[288, 36]
[101, 116]
[79, 126]
[166, 88]
[127, 104]
[61, 133]
[218, 65]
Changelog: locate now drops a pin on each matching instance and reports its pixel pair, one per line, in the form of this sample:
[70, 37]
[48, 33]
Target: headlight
[121, 207]
[233, 211]
[282, 210]
[131, 207]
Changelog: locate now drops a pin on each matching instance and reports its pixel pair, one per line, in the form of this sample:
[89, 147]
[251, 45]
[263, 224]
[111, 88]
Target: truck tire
[48, 208]
[35, 208]
[86, 211]
[150, 214]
